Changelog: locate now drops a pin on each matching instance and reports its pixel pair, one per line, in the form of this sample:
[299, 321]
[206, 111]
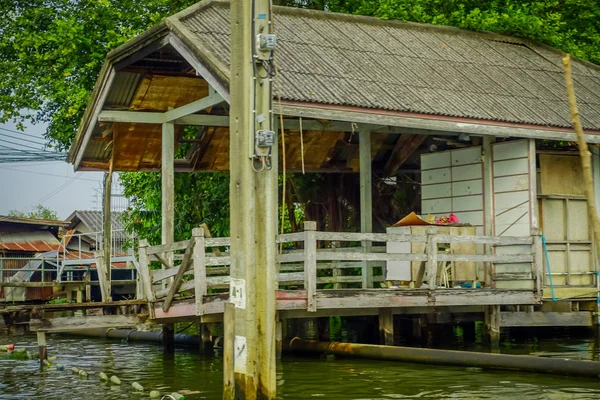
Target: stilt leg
[386, 326]
[41, 338]
[168, 333]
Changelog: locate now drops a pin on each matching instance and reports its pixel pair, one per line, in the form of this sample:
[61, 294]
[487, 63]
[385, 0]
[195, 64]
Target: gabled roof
[93, 220]
[365, 62]
[335, 67]
[27, 222]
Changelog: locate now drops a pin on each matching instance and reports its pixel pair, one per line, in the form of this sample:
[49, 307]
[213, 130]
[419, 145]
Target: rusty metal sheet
[36, 241]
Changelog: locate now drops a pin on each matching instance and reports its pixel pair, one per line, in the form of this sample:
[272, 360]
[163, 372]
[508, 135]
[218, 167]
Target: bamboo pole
[584, 152]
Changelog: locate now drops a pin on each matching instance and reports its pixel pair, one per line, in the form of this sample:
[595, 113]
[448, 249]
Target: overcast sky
[52, 184]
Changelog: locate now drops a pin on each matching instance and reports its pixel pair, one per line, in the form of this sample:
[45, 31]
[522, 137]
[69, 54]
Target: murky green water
[200, 377]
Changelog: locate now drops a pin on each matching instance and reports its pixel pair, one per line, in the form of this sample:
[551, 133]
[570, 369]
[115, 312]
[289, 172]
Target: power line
[18, 132]
[25, 139]
[44, 173]
[57, 190]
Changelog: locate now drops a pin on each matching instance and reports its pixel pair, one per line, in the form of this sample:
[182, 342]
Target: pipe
[450, 357]
[132, 334]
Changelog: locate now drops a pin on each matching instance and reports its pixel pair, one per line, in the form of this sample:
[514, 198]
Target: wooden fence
[195, 267]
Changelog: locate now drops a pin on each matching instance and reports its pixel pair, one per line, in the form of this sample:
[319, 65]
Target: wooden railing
[321, 263]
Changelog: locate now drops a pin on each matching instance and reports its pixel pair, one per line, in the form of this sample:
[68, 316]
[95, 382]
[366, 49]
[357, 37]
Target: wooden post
[228, 352]
[386, 326]
[432, 263]
[168, 188]
[310, 265]
[335, 271]
[102, 279]
[88, 286]
[538, 261]
[492, 316]
[41, 338]
[366, 205]
[278, 339]
[584, 152]
[79, 298]
[107, 225]
[253, 204]
[168, 334]
[200, 286]
[144, 272]
[206, 343]
[488, 206]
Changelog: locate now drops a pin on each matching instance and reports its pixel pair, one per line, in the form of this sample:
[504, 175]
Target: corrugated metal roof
[365, 62]
[123, 90]
[93, 220]
[36, 241]
[32, 221]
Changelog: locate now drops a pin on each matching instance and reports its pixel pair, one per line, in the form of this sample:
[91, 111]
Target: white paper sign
[241, 354]
[237, 293]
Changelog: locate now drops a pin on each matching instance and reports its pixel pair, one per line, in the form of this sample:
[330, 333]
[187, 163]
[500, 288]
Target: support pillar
[88, 286]
[416, 328]
[492, 320]
[488, 206]
[41, 338]
[366, 204]
[205, 338]
[253, 203]
[167, 170]
[278, 339]
[386, 326]
[168, 335]
[107, 227]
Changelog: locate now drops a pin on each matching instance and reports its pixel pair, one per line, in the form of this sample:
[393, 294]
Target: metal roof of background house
[93, 220]
[366, 62]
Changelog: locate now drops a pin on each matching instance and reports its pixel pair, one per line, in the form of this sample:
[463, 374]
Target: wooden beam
[516, 319]
[405, 147]
[65, 324]
[193, 107]
[176, 284]
[366, 203]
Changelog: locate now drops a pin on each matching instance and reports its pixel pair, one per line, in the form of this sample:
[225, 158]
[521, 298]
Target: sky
[55, 185]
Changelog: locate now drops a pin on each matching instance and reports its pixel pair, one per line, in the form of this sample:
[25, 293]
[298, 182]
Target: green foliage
[39, 211]
[58, 300]
[51, 52]
[199, 198]
[570, 25]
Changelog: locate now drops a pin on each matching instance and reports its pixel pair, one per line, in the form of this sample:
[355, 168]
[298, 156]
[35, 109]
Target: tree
[39, 211]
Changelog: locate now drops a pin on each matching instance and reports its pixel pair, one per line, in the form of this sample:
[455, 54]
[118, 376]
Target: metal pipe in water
[541, 365]
[134, 335]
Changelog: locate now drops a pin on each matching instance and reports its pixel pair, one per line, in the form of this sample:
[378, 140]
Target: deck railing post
[144, 273]
[310, 264]
[432, 258]
[200, 286]
[538, 260]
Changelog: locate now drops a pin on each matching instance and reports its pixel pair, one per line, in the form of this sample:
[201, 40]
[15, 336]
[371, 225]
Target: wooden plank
[200, 287]
[343, 256]
[167, 248]
[65, 324]
[290, 237]
[102, 279]
[174, 289]
[373, 237]
[310, 263]
[512, 276]
[166, 265]
[404, 148]
[516, 319]
[491, 240]
[494, 258]
[369, 298]
[217, 242]
[568, 168]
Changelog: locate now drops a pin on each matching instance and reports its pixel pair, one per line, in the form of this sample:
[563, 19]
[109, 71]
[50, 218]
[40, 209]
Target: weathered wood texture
[64, 324]
[515, 319]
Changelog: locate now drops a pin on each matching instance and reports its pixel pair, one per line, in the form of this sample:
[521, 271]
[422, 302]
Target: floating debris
[103, 376]
[155, 394]
[474, 369]
[46, 363]
[7, 347]
[115, 380]
[137, 387]
[75, 370]
[83, 373]
[60, 367]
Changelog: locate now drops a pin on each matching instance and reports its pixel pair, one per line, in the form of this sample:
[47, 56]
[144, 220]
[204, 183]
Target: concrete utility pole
[253, 201]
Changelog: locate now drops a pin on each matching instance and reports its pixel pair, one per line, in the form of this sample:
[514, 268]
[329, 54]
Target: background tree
[51, 52]
[39, 211]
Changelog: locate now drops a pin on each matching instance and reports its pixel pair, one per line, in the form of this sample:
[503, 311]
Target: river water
[200, 377]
